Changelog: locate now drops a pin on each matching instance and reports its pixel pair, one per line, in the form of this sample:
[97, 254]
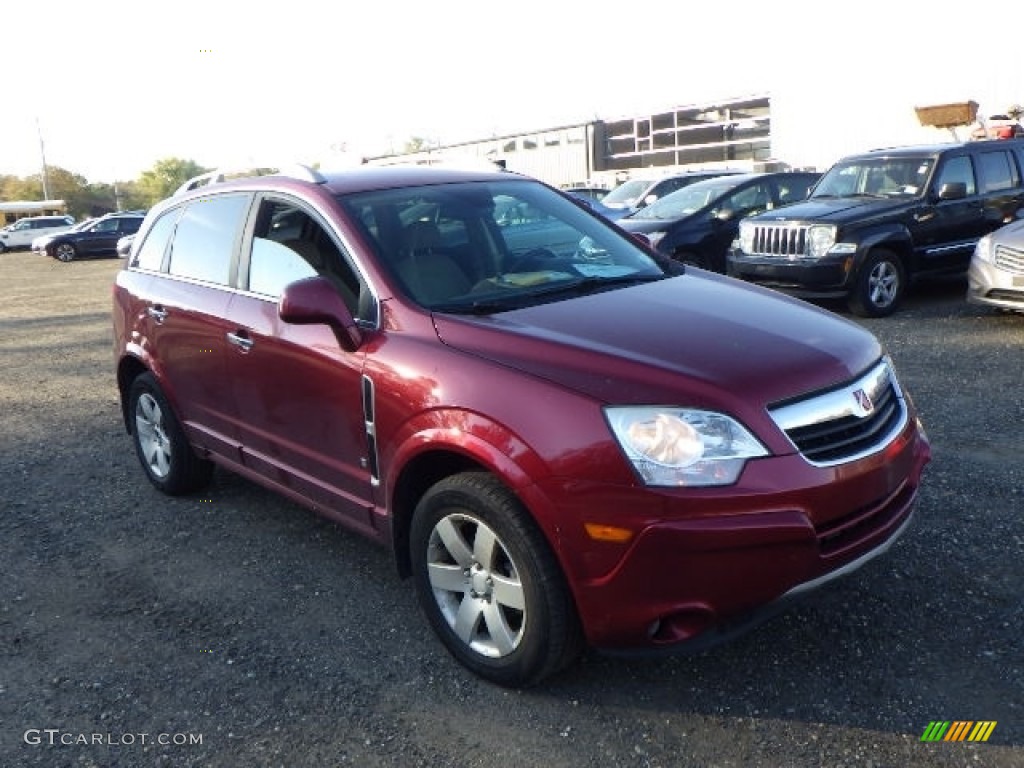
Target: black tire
[489, 584]
[879, 285]
[166, 457]
[65, 252]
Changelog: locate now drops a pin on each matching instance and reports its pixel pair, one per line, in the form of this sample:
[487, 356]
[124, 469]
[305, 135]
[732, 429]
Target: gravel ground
[244, 631]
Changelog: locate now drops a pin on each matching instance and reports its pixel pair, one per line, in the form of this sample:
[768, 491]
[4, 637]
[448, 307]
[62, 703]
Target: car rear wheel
[167, 458]
[489, 583]
[879, 285]
[65, 252]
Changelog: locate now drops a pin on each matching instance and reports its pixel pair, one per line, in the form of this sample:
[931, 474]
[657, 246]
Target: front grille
[1010, 259]
[848, 423]
[779, 240]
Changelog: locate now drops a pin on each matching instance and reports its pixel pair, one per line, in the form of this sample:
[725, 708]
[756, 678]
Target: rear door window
[206, 238]
[998, 171]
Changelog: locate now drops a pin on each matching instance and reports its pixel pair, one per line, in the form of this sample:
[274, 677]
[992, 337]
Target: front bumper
[819, 278]
[989, 285]
[705, 565]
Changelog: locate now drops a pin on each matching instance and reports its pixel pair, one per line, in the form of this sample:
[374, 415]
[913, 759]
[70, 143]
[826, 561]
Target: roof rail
[294, 171]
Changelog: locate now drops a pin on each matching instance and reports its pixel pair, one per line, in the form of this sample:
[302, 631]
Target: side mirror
[953, 190]
[650, 199]
[724, 214]
[312, 301]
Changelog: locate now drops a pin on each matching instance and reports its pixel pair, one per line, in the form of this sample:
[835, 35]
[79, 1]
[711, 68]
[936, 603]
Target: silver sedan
[996, 274]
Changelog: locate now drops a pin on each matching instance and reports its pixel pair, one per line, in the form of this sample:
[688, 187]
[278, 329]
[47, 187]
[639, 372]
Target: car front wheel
[167, 458]
[489, 583]
[65, 252]
[879, 285]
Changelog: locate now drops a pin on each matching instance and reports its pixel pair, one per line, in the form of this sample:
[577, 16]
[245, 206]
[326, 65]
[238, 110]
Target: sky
[111, 87]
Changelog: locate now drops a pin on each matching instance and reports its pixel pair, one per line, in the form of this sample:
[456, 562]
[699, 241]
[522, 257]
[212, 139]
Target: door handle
[242, 342]
[158, 313]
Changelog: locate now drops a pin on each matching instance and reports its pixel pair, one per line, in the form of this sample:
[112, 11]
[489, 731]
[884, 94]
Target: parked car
[996, 273]
[97, 238]
[21, 233]
[697, 224]
[515, 415]
[634, 194]
[879, 220]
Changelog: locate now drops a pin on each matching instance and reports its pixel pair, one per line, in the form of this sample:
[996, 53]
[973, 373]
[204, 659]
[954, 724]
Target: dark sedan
[696, 224]
[97, 238]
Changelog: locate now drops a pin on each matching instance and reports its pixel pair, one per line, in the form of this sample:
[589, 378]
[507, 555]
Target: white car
[21, 233]
[996, 275]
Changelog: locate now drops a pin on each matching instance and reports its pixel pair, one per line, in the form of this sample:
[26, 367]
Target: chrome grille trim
[1010, 259]
[834, 427]
[780, 239]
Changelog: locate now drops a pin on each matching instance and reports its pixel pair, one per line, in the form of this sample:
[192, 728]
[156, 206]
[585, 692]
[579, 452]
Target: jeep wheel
[489, 584]
[65, 252]
[879, 285]
[160, 443]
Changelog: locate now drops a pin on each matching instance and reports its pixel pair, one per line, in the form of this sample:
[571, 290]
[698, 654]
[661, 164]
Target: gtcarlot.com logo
[958, 730]
[54, 737]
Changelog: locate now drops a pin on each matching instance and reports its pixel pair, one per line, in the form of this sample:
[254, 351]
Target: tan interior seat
[430, 274]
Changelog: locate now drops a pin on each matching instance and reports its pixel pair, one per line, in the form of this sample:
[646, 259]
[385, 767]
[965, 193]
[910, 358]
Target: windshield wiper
[479, 307]
[586, 285]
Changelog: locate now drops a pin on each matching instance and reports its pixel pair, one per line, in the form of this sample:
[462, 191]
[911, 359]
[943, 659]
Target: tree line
[85, 199]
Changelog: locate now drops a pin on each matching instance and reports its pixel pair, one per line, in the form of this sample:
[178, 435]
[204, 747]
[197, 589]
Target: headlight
[682, 446]
[820, 238]
[983, 250]
[746, 237]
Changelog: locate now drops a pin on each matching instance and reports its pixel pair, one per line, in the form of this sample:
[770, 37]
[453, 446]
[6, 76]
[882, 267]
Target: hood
[838, 210]
[703, 339]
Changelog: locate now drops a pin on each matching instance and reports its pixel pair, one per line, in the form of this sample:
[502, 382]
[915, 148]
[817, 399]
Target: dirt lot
[244, 631]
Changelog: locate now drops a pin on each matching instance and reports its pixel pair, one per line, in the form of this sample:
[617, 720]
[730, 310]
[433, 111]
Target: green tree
[418, 144]
[165, 176]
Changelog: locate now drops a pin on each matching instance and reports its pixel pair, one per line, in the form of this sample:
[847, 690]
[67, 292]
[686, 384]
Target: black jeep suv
[875, 221]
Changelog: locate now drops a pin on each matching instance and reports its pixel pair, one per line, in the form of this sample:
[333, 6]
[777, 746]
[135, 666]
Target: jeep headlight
[820, 238]
[746, 236]
[683, 446]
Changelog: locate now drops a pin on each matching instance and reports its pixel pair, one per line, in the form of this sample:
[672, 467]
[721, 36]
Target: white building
[787, 129]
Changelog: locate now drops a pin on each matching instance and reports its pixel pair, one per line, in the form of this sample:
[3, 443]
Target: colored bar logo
[958, 730]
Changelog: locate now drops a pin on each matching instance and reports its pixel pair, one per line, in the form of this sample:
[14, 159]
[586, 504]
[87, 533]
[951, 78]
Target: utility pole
[42, 155]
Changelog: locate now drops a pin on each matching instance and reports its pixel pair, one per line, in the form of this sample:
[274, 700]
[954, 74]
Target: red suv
[565, 438]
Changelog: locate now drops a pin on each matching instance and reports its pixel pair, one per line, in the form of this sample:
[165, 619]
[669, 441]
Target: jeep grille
[848, 423]
[780, 240]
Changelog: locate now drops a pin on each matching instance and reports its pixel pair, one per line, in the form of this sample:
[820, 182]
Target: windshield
[876, 177]
[491, 246]
[626, 193]
[686, 201]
